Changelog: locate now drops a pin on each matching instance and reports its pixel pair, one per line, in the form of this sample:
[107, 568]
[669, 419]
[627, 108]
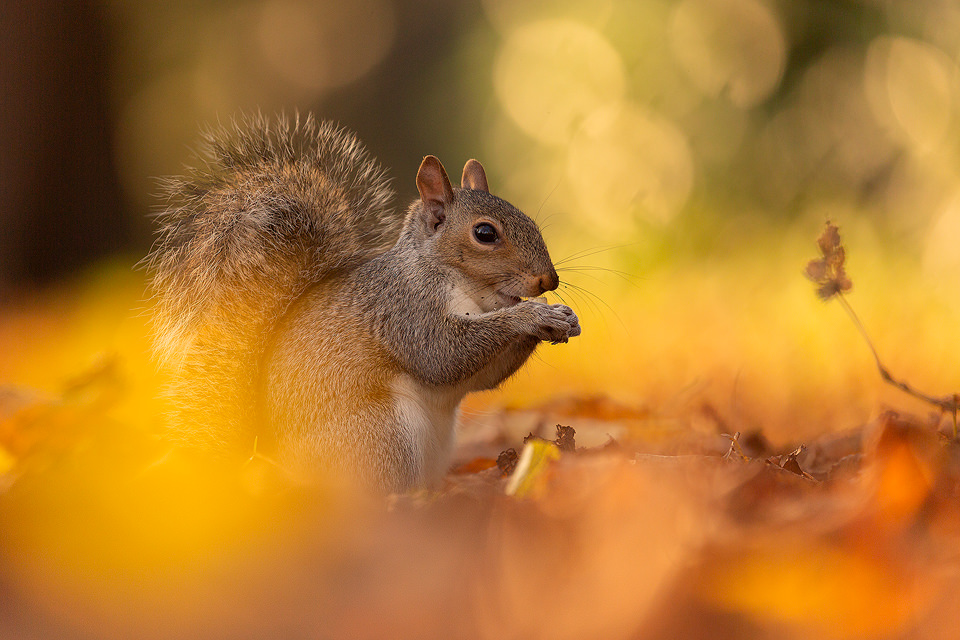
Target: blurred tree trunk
[59, 196]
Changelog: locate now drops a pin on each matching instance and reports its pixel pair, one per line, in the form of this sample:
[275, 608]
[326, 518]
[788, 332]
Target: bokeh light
[733, 48]
[941, 257]
[624, 162]
[324, 45]
[269, 55]
[551, 74]
[912, 87]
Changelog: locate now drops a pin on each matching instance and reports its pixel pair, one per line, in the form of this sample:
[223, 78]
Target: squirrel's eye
[485, 233]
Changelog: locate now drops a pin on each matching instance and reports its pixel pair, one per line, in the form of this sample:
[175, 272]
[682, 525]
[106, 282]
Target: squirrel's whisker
[586, 253]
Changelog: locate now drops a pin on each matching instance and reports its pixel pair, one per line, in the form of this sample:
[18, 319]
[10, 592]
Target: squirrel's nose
[548, 282]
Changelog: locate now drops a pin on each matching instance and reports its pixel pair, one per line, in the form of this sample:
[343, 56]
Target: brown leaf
[507, 461]
[790, 464]
[565, 438]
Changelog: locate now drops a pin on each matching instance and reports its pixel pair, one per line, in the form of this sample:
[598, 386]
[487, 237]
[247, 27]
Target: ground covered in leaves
[590, 526]
[727, 464]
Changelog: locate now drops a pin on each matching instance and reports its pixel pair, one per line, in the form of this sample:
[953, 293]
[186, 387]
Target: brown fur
[293, 305]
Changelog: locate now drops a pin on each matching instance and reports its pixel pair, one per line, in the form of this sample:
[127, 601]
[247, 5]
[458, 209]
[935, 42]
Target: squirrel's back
[272, 207]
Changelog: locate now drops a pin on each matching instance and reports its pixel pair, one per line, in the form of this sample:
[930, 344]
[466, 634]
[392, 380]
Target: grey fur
[293, 304]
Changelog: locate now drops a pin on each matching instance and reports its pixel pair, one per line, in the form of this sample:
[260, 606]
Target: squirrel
[295, 306]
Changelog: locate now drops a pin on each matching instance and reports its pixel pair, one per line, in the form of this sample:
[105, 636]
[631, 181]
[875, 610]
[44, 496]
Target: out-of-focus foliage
[119, 535]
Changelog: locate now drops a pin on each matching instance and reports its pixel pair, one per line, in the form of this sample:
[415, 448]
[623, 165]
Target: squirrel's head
[495, 249]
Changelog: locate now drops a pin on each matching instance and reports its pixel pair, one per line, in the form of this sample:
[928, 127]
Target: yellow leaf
[529, 477]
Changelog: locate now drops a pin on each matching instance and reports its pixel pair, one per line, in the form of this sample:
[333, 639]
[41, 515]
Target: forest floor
[782, 490]
[107, 534]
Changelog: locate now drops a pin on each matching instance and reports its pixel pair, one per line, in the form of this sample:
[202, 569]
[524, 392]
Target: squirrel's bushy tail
[271, 208]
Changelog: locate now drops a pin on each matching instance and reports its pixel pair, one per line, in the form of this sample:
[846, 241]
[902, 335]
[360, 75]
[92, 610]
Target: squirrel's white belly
[426, 416]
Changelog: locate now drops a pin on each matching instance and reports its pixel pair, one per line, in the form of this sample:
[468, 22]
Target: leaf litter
[602, 522]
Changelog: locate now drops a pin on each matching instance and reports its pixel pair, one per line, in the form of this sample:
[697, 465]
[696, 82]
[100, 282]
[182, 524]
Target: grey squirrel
[295, 306]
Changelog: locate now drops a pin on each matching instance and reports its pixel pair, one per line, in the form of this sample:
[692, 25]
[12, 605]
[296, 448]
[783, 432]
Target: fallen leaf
[507, 461]
[474, 466]
[529, 477]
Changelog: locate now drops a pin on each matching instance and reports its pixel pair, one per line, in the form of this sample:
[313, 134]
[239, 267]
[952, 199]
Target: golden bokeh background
[681, 157]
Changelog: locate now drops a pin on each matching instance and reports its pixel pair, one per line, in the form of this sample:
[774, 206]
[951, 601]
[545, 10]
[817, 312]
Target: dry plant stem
[949, 404]
[735, 448]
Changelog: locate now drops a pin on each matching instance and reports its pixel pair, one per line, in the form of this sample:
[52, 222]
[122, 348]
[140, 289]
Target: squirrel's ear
[474, 177]
[435, 191]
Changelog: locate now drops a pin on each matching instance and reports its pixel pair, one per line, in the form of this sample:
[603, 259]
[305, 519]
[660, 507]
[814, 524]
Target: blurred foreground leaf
[530, 476]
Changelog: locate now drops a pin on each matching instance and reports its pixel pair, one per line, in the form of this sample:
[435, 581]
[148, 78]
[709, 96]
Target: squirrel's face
[497, 251]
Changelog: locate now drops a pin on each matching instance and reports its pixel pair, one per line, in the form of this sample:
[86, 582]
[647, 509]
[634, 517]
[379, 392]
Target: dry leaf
[529, 476]
[507, 461]
[474, 466]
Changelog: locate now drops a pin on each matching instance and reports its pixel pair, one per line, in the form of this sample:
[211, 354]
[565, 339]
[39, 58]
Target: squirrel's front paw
[554, 323]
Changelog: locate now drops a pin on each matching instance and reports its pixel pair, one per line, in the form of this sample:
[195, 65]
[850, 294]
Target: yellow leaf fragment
[530, 475]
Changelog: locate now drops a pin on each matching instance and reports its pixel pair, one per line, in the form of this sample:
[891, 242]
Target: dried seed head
[828, 271]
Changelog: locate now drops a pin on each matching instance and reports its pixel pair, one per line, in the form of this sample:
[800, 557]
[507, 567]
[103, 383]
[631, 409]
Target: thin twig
[863, 332]
[735, 448]
[949, 404]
